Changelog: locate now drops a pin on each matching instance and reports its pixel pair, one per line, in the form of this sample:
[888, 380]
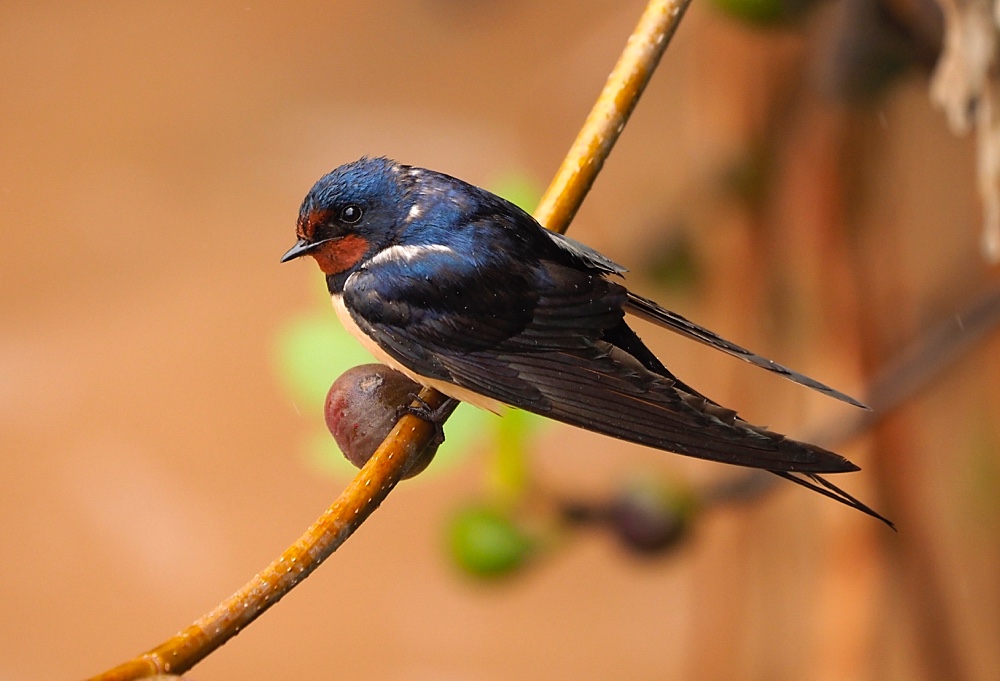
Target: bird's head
[351, 214]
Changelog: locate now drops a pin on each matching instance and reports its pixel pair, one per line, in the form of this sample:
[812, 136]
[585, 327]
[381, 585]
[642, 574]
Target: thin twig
[411, 434]
[921, 362]
[912, 370]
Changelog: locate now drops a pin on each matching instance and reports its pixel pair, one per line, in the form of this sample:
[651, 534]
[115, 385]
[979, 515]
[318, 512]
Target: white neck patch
[406, 253]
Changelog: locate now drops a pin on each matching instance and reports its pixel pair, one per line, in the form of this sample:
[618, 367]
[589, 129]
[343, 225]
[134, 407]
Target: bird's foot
[435, 417]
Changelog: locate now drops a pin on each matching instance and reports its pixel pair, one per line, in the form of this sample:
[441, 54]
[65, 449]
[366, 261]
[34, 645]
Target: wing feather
[599, 394]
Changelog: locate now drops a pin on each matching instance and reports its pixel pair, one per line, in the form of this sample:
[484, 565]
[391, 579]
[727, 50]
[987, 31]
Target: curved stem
[374, 482]
[607, 118]
[371, 485]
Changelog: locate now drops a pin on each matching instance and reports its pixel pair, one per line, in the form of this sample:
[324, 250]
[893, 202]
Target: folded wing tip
[843, 397]
[653, 312]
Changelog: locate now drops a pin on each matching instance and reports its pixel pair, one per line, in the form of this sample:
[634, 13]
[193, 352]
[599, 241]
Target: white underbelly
[449, 389]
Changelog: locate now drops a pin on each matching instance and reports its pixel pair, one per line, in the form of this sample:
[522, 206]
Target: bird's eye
[350, 214]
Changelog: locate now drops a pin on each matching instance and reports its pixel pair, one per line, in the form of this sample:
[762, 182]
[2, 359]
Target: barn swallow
[466, 293]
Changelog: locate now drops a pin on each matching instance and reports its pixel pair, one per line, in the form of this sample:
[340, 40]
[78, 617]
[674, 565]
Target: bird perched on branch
[466, 293]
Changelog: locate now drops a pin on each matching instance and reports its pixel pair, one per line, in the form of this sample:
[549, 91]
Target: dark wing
[540, 336]
[650, 311]
[585, 255]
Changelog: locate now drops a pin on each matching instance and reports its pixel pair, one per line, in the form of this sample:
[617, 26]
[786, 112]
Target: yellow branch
[610, 113]
[374, 482]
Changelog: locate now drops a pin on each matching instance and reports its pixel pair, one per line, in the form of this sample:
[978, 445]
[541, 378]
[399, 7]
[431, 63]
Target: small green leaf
[517, 188]
[674, 263]
[312, 350]
[765, 13]
[509, 469]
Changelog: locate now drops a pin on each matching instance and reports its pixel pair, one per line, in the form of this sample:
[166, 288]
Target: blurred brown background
[152, 159]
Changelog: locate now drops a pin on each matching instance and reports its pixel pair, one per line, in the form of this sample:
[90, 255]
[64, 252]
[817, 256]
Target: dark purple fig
[362, 407]
[650, 517]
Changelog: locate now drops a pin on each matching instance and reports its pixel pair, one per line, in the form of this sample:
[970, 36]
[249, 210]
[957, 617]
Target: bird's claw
[435, 417]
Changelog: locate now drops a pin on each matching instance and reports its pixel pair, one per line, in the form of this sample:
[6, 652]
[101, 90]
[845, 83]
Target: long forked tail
[828, 489]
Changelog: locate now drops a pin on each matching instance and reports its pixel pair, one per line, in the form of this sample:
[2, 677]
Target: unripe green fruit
[487, 543]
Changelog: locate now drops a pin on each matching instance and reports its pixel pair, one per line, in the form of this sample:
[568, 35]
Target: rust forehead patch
[305, 228]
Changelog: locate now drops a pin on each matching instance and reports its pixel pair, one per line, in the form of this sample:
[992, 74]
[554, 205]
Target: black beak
[302, 247]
